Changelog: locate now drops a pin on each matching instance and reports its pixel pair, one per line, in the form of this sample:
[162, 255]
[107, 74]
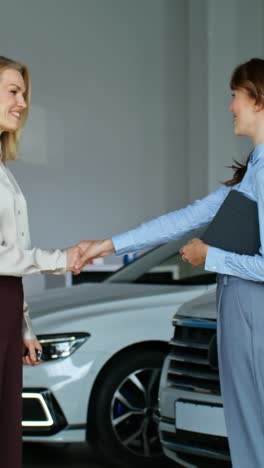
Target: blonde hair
[9, 140]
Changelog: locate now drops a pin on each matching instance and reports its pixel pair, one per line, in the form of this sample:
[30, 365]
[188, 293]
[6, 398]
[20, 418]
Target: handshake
[85, 252]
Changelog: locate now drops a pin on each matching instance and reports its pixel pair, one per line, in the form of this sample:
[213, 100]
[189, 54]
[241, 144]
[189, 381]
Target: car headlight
[61, 345]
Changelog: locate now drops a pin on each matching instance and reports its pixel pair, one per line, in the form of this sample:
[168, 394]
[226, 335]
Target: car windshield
[172, 270]
[164, 265]
[160, 265]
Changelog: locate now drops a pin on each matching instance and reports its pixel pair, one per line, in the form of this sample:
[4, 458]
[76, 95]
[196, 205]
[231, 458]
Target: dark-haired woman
[240, 292]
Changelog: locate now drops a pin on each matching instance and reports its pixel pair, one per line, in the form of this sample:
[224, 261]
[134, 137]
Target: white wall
[105, 147]
[198, 126]
[221, 35]
[235, 34]
[175, 102]
[129, 106]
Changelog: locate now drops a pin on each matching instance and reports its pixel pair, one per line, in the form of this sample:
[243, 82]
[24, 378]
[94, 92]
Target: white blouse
[16, 256]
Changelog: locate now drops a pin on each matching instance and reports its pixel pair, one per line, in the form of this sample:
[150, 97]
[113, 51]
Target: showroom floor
[48, 456]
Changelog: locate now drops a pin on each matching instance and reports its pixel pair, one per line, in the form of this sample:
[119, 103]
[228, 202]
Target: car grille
[193, 356]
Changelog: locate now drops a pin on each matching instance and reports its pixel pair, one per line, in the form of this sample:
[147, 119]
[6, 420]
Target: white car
[104, 345]
[192, 424]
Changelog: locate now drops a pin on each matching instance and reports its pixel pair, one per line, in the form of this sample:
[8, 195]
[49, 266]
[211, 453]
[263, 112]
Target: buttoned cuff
[52, 261]
[216, 261]
[61, 265]
[123, 243]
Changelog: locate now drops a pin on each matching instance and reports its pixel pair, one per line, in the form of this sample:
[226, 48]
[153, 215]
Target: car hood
[93, 294]
[201, 307]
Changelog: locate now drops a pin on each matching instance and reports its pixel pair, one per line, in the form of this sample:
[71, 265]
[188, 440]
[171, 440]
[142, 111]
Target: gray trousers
[240, 335]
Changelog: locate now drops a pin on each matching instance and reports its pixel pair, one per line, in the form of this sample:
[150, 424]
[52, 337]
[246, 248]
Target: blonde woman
[17, 258]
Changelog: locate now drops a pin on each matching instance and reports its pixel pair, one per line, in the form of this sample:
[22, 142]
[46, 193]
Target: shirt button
[19, 212]
[22, 234]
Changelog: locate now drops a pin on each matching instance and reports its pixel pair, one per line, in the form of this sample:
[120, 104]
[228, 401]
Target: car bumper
[186, 447]
[43, 419]
[56, 397]
[183, 445]
[41, 413]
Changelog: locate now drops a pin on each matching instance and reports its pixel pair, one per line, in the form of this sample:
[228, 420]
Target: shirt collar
[257, 153]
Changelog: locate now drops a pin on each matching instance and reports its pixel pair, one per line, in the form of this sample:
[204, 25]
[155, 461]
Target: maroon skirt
[11, 345]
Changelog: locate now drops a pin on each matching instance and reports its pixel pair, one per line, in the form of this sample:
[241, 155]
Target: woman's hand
[91, 249]
[73, 256]
[31, 346]
[194, 252]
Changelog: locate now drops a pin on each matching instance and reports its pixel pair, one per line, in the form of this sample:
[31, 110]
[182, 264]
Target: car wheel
[123, 407]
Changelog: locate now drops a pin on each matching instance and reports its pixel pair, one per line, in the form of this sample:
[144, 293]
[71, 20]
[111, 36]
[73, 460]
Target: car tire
[122, 410]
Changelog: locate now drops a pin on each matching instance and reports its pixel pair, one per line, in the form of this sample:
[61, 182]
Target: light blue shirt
[174, 225]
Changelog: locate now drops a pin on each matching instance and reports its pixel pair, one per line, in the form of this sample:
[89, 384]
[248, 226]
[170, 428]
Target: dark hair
[250, 77]
[239, 172]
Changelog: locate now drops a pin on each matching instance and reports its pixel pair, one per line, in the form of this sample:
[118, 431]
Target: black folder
[235, 227]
